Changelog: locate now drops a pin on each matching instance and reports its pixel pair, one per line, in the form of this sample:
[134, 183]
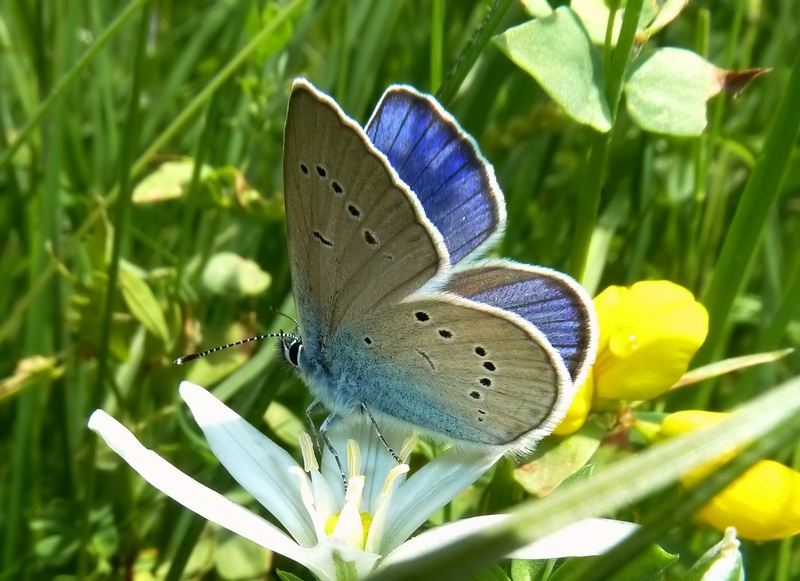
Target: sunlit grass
[81, 126]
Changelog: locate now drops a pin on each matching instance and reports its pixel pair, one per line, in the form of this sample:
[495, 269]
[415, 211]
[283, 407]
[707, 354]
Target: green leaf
[649, 565]
[286, 576]
[556, 459]
[142, 302]
[525, 570]
[594, 15]
[491, 573]
[168, 182]
[537, 8]
[272, 43]
[227, 273]
[668, 12]
[666, 91]
[239, 558]
[557, 52]
[730, 365]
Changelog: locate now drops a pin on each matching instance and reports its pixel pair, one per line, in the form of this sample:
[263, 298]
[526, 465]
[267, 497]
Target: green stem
[594, 175]
[129, 146]
[437, 42]
[65, 81]
[760, 193]
[471, 52]
[141, 163]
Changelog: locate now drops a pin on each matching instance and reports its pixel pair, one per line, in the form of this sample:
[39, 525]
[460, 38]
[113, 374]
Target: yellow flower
[763, 503]
[578, 409]
[649, 333]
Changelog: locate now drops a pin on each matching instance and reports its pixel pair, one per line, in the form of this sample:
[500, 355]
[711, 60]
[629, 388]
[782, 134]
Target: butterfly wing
[455, 369]
[442, 165]
[553, 302]
[358, 238]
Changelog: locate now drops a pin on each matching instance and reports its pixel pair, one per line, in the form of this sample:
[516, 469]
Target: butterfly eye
[291, 348]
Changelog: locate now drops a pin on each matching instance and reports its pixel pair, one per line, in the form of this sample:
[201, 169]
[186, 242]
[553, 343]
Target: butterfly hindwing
[442, 165]
[550, 300]
[455, 369]
[358, 237]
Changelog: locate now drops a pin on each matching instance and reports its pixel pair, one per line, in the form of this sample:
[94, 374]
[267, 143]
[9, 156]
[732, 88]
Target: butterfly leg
[380, 435]
[315, 406]
[323, 430]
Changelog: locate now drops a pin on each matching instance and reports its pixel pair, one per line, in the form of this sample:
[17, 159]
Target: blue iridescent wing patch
[442, 165]
[551, 301]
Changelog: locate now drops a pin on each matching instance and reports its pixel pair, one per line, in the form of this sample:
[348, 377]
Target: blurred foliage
[140, 172]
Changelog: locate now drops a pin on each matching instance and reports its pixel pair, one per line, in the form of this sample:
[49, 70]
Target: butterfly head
[291, 346]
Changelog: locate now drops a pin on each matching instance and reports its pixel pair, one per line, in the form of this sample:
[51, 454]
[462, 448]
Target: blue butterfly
[399, 317]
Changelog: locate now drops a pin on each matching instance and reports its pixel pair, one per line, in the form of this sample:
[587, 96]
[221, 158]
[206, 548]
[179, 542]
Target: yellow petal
[578, 409]
[763, 504]
[649, 333]
[686, 421]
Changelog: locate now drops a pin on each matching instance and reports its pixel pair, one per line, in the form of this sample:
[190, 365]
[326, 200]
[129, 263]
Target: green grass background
[99, 294]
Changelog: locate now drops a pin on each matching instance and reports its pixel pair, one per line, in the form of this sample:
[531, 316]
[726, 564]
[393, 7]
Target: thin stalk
[437, 43]
[594, 174]
[471, 52]
[129, 145]
[743, 236]
[68, 78]
[141, 163]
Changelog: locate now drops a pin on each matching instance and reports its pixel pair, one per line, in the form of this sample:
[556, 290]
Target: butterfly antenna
[291, 318]
[192, 356]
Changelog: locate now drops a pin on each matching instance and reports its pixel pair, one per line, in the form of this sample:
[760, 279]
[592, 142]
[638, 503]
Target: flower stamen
[307, 449]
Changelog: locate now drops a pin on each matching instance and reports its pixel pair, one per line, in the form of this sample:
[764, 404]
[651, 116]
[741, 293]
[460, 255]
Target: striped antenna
[291, 318]
[192, 356]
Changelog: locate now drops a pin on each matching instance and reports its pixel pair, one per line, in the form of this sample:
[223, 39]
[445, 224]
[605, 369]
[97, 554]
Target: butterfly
[399, 316]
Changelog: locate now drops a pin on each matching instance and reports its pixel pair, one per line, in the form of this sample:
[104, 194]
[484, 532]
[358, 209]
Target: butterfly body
[397, 315]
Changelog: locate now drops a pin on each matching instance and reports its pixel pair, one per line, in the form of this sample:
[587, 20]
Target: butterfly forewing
[551, 301]
[442, 165]
[357, 236]
[455, 369]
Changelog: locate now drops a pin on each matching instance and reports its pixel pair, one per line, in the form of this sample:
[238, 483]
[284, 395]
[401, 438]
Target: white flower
[336, 535]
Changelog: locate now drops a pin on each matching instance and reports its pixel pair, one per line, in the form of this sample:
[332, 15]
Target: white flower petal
[376, 462]
[429, 489]
[382, 504]
[259, 465]
[196, 497]
[593, 536]
[324, 501]
[333, 549]
[309, 501]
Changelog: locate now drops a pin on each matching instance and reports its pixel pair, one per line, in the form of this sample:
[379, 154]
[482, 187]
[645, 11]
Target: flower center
[366, 522]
